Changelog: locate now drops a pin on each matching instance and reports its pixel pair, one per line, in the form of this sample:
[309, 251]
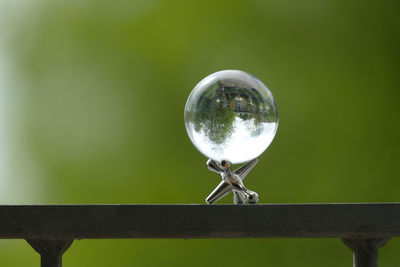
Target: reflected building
[244, 102]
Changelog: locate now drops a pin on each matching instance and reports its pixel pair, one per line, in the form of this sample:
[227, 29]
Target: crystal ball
[231, 115]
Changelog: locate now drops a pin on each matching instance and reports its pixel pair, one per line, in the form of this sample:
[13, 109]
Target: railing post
[51, 251]
[365, 251]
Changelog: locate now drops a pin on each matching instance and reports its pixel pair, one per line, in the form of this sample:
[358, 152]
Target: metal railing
[51, 229]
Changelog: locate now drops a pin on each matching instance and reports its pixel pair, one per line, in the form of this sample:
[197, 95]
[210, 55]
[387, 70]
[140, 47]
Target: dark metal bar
[51, 251]
[365, 251]
[68, 222]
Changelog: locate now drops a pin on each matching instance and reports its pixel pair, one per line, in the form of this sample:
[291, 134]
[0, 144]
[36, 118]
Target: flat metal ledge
[64, 222]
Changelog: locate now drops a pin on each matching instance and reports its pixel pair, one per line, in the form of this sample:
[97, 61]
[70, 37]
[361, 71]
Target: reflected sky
[240, 146]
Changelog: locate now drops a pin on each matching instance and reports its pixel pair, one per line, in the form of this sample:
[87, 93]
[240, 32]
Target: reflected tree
[219, 105]
[214, 115]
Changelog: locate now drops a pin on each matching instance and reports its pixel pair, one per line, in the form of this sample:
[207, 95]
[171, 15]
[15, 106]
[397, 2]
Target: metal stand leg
[51, 251]
[365, 251]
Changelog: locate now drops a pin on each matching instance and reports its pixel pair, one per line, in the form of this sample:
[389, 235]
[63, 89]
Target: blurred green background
[91, 111]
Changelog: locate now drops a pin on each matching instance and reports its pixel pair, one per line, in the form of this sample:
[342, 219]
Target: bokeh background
[91, 111]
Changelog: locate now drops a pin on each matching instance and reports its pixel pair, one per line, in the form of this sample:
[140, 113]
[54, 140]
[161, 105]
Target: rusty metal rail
[50, 229]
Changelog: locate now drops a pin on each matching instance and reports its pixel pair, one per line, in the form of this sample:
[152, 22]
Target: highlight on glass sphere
[231, 115]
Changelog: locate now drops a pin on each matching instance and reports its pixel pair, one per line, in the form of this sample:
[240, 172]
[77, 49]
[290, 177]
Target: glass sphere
[231, 115]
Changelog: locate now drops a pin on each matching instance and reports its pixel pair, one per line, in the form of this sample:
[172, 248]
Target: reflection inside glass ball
[231, 115]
